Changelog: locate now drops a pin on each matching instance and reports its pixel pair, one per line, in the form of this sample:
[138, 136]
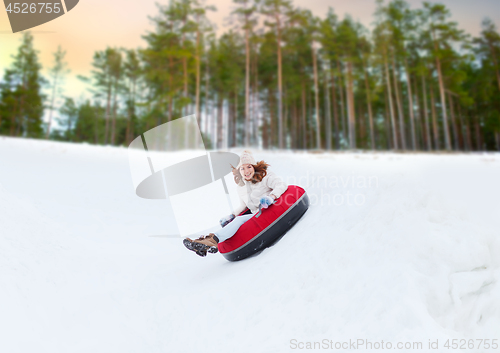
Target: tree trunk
[310, 105]
[478, 133]
[113, 125]
[443, 97]
[108, 110]
[280, 86]
[213, 123]
[304, 125]
[350, 102]
[456, 137]
[328, 118]
[130, 127]
[235, 117]
[70, 126]
[391, 104]
[220, 103]
[51, 106]
[466, 127]
[207, 108]
[129, 116]
[251, 109]
[273, 137]
[362, 129]
[96, 132]
[369, 106]
[247, 87]
[434, 120]
[342, 101]
[387, 122]
[459, 123]
[293, 131]
[316, 96]
[286, 120]
[335, 112]
[185, 75]
[399, 103]
[410, 107]
[22, 112]
[419, 118]
[198, 81]
[426, 116]
[256, 101]
[170, 86]
[13, 117]
[266, 120]
[230, 119]
[132, 130]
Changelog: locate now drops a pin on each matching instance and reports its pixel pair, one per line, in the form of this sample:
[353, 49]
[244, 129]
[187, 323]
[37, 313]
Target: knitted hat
[246, 158]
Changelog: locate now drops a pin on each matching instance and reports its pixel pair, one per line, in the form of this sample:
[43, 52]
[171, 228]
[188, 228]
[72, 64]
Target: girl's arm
[240, 208]
[275, 183]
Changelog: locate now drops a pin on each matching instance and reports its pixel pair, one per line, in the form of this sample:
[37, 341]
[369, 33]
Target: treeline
[280, 78]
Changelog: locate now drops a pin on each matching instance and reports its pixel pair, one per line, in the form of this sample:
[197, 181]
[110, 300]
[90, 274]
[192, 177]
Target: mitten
[224, 221]
[266, 201]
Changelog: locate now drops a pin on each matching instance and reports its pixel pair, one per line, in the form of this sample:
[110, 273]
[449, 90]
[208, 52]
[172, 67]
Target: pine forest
[278, 78]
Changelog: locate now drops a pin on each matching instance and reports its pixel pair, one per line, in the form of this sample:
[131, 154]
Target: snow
[394, 248]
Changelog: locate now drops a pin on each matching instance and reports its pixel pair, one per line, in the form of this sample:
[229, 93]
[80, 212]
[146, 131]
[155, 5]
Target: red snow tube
[263, 229]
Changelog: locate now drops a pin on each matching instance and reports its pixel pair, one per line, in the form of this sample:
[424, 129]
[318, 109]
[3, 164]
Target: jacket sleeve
[275, 183]
[240, 208]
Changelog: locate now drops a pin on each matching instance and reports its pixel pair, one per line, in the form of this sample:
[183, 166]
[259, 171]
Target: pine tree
[22, 100]
[57, 73]
[69, 111]
[278, 11]
[348, 38]
[440, 35]
[107, 75]
[328, 39]
[246, 14]
[132, 70]
[382, 43]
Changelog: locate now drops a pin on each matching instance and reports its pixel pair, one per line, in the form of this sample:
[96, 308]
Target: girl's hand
[237, 176]
[224, 221]
[266, 201]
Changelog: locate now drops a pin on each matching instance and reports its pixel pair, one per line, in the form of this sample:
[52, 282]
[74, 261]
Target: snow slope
[394, 248]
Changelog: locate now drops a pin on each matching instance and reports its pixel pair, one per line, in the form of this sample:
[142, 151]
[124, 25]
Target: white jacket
[250, 193]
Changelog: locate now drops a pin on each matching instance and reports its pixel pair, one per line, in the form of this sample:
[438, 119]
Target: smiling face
[247, 171]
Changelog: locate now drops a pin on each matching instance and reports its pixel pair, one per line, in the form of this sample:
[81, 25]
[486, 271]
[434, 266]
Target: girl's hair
[260, 171]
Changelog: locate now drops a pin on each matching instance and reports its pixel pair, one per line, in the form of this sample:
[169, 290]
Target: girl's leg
[229, 230]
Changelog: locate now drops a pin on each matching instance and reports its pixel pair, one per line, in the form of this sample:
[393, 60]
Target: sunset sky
[95, 24]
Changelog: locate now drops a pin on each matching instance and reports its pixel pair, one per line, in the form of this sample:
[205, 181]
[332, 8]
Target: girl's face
[247, 171]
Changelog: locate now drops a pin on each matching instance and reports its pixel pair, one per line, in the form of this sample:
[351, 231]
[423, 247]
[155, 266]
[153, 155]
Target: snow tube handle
[260, 211]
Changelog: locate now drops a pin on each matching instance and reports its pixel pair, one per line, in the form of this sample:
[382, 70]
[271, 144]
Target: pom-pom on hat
[246, 158]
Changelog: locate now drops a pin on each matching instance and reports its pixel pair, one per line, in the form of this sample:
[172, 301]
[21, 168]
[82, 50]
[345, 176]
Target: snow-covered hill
[399, 248]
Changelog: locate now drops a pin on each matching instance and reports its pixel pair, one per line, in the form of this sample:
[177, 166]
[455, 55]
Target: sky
[95, 24]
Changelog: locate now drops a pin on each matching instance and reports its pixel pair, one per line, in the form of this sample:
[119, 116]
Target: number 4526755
[471, 344]
[32, 8]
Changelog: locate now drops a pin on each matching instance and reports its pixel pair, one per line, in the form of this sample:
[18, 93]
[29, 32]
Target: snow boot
[202, 245]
